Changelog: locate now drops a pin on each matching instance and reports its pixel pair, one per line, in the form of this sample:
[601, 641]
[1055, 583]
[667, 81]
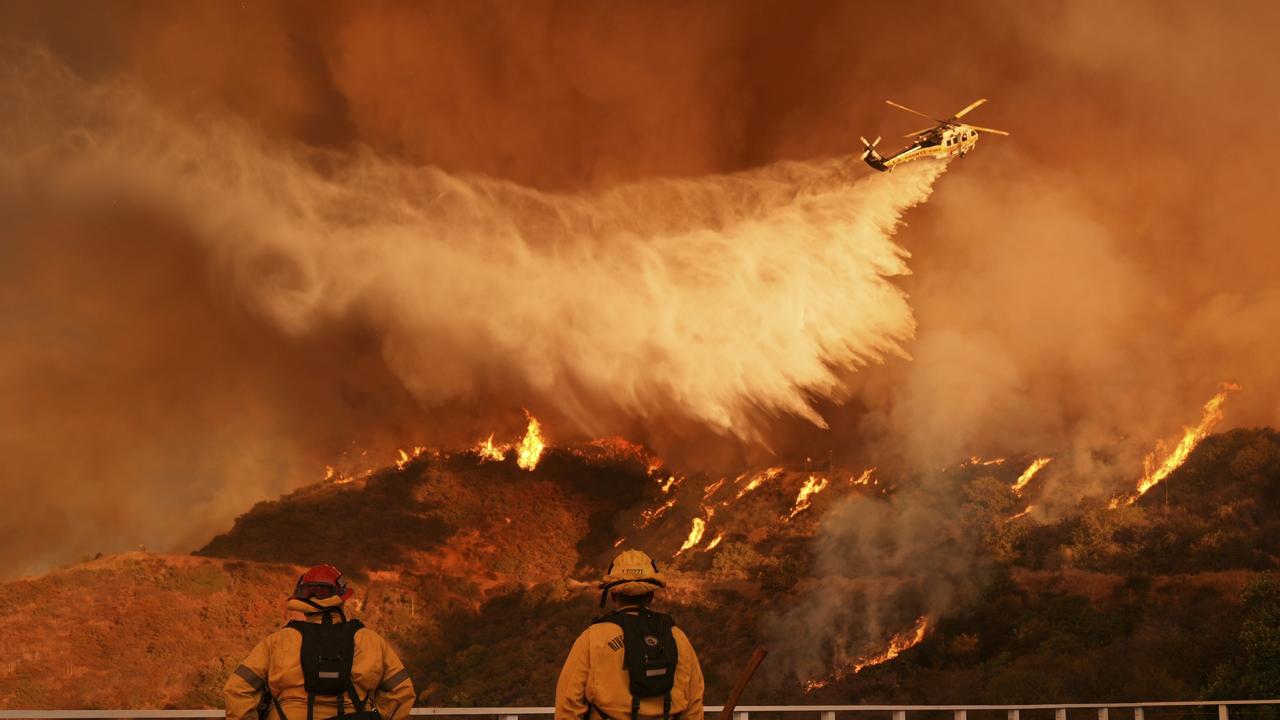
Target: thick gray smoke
[883, 568]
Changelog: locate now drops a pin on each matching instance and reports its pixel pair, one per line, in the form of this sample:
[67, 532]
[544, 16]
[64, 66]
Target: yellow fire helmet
[631, 573]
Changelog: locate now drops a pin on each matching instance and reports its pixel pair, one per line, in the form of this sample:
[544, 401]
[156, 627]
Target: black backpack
[650, 655]
[328, 649]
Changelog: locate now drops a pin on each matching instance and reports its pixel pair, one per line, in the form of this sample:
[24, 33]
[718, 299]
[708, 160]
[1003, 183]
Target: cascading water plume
[721, 300]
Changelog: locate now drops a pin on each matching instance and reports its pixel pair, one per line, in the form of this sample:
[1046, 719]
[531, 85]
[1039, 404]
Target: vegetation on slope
[480, 575]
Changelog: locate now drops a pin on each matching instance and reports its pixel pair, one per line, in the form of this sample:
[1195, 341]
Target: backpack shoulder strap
[606, 618]
[352, 627]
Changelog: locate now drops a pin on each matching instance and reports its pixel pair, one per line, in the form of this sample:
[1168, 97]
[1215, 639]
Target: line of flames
[1036, 466]
[1153, 473]
[757, 480]
[812, 486]
[1024, 513]
[865, 478]
[897, 645]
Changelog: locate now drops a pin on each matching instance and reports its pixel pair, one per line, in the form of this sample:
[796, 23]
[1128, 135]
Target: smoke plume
[716, 302]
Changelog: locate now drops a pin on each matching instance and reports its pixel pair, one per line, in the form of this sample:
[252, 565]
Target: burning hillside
[445, 560]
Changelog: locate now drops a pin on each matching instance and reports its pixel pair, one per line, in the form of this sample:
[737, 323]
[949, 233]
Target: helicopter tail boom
[870, 156]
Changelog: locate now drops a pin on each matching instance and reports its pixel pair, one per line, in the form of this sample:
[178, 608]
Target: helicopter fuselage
[943, 142]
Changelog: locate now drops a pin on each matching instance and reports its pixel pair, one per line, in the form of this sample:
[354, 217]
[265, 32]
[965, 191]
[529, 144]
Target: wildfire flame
[864, 478]
[897, 645]
[666, 486]
[811, 487]
[1024, 513]
[408, 457]
[488, 451]
[711, 489]
[712, 545]
[1036, 466]
[531, 446]
[695, 535]
[648, 516]
[528, 451]
[1153, 472]
[757, 480]
[975, 460]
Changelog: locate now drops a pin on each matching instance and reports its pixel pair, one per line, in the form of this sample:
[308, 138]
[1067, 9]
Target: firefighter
[321, 665]
[632, 663]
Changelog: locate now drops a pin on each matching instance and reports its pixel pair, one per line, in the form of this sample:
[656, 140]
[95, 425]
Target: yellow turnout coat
[593, 674]
[276, 662]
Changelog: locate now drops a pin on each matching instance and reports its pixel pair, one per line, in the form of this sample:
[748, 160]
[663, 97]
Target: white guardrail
[742, 712]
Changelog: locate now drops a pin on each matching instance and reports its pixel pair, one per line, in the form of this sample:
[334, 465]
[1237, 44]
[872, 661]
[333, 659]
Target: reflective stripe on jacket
[376, 672]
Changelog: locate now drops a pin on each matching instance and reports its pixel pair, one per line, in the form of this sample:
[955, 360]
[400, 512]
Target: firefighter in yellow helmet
[632, 663]
[321, 665]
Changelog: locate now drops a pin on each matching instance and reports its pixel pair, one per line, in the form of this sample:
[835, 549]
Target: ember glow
[812, 486]
[712, 545]
[648, 516]
[1155, 471]
[897, 645]
[864, 478]
[1036, 466]
[711, 489]
[1024, 513]
[975, 460]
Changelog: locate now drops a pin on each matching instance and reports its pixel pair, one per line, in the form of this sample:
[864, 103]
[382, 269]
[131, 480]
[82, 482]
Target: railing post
[1060, 714]
[828, 715]
[1222, 712]
[899, 715]
[510, 717]
[1138, 714]
[1015, 714]
[960, 714]
[741, 715]
[1104, 714]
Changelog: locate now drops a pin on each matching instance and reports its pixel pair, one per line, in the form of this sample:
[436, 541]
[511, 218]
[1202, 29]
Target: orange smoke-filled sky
[1088, 280]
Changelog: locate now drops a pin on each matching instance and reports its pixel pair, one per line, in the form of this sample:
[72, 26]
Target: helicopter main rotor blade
[971, 106]
[987, 129]
[919, 132]
[917, 112]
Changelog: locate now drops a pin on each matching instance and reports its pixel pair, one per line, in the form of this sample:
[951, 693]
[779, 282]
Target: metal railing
[824, 712]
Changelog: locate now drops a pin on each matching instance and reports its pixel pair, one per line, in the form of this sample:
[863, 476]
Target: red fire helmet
[322, 581]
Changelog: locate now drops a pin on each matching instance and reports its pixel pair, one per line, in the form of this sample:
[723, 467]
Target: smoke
[1084, 284]
[716, 302]
[880, 566]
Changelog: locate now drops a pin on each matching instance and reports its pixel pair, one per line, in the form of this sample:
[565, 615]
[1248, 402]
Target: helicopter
[948, 138]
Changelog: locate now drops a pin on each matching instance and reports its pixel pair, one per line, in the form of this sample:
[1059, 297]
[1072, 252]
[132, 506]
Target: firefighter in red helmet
[322, 664]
